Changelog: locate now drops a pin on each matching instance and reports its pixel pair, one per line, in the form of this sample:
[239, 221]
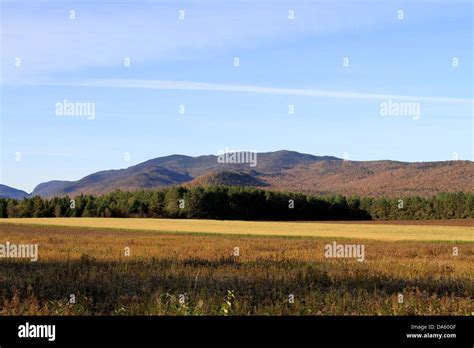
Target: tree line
[240, 203]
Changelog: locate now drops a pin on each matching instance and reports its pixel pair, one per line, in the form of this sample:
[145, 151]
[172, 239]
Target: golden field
[194, 273]
[383, 232]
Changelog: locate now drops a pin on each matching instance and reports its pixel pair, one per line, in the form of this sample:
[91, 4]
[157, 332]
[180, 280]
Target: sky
[361, 80]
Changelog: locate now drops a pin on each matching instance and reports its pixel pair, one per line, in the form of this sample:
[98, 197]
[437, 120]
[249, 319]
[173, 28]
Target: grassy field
[189, 273]
[367, 230]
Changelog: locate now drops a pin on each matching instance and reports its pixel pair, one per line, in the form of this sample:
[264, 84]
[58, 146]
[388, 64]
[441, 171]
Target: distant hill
[279, 170]
[171, 170]
[377, 178]
[133, 178]
[228, 179]
[10, 192]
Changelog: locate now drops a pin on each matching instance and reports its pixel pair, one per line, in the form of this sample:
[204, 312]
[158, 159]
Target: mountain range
[10, 192]
[279, 170]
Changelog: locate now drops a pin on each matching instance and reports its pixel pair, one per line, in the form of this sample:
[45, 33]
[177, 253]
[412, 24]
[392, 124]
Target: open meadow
[434, 230]
[205, 267]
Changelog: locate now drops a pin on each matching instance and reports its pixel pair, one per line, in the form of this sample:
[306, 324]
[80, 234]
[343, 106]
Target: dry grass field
[455, 231]
[189, 273]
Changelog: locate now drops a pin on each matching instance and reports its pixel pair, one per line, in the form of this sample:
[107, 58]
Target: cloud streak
[237, 88]
[150, 33]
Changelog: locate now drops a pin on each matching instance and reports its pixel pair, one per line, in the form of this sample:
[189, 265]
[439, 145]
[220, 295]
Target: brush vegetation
[195, 274]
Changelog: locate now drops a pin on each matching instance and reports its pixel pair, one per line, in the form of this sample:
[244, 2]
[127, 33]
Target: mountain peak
[10, 192]
[279, 170]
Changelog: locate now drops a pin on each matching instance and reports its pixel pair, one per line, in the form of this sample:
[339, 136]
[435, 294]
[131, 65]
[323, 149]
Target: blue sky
[190, 62]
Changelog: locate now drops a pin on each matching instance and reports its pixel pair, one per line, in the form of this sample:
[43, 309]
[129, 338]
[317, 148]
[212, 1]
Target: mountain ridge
[11, 192]
[279, 170]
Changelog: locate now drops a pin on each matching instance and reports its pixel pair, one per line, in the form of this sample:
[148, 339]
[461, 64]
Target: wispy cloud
[237, 88]
[150, 33]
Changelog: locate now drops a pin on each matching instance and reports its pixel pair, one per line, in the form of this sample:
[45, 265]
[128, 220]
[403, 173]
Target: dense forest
[222, 202]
